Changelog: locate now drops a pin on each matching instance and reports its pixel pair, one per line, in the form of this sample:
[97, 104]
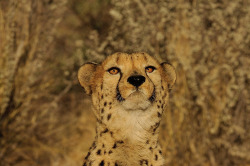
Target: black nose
[136, 80]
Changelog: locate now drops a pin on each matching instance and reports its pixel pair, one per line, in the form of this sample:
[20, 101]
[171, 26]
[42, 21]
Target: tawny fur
[128, 117]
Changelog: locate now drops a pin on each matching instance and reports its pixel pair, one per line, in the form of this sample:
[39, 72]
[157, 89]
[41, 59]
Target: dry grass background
[45, 118]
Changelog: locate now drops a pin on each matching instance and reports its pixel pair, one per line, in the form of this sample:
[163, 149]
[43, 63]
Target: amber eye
[150, 69]
[114, 70]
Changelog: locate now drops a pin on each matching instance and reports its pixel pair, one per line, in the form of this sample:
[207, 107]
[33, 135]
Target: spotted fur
[128, 112]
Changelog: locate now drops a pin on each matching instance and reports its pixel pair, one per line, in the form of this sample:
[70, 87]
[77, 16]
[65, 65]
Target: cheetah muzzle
[129, 94]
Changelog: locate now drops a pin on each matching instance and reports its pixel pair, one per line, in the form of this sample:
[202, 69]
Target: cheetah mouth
[120, 98]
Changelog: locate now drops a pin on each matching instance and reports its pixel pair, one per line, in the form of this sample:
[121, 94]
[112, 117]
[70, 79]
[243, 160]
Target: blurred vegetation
[45, 117]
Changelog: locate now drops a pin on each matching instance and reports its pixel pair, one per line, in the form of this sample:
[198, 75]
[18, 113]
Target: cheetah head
[132, 81]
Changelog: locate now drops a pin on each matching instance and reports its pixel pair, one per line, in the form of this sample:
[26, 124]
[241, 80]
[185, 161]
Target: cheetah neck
[136, 135]
[131, 128]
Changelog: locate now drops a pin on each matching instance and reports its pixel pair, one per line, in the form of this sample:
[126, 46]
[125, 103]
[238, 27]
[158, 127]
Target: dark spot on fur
[150, 148]
[102, 96]
[93, 146]
[103, 145]
[105, 103]
[116, 164]
[114, 146]
[147, 142]
[160, 151]
[159, 114]
[84, 164]
[158, 106]
[102, 110]
[101, 163]
[159, 101]
[156, 157]
[87, 156]
[109, 116]
[110, 103]
[103, 132]
[162, 87]
[110, 152]
[155, 126]
[98, 152]
[143, 162]
[104, 151]
[120, 142]
[106, 130]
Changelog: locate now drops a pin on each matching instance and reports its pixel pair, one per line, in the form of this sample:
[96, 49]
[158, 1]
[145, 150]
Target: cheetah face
[132, 81]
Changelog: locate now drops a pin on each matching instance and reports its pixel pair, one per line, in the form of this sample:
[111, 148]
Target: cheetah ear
[85, 74]
[169, 74]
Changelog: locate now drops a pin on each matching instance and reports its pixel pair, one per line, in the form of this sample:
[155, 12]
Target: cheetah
[129, 93]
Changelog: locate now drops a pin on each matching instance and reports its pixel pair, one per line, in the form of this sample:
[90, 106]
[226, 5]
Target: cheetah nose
[136, 80]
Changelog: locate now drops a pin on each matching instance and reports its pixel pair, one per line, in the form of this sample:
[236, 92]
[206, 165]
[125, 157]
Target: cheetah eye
[149, 69]
[113, 70]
